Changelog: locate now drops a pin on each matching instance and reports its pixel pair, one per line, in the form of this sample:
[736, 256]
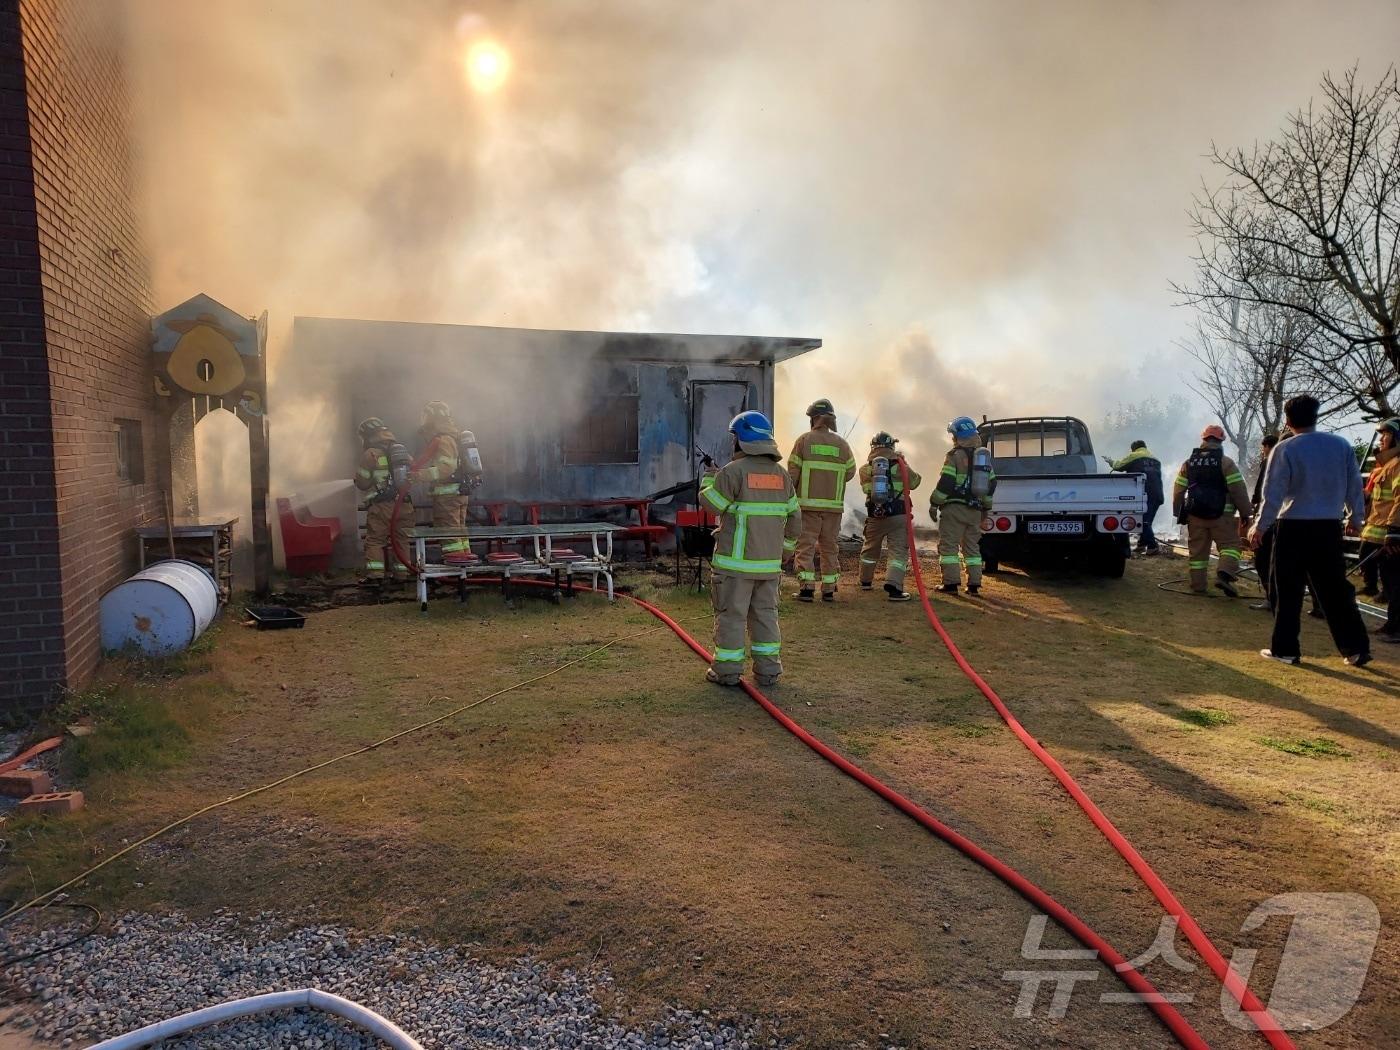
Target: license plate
[1056, 528]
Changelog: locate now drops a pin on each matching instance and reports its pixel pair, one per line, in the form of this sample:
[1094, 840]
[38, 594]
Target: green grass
[133, 732]
[971, 730]
[1205, 717]
[1315, 747]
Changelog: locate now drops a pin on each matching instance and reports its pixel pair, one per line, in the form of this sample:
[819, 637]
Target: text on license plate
[1059, 528]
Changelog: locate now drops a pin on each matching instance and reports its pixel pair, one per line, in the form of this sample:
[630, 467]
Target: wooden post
[259, 475]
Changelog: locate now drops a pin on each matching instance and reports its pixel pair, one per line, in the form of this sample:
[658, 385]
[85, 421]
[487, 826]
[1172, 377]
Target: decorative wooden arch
[206, 357]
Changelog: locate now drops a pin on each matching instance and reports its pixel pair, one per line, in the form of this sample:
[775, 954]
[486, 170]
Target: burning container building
[558, 415]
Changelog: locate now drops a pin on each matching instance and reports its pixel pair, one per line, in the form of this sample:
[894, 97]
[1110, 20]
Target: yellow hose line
[43, 897]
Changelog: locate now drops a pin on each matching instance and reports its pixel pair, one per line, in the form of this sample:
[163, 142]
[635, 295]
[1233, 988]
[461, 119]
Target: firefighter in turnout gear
[961, 499]
[1380, 536]
[820, 465]
[759, 521]
[449, 503]
[887, 515]
[382, 454]
[1208, 495]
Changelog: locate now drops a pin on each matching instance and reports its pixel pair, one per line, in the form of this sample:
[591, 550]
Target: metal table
[207, 543]
[541, 562]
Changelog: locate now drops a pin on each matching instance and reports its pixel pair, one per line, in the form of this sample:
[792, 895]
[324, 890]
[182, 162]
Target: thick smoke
[978, 207]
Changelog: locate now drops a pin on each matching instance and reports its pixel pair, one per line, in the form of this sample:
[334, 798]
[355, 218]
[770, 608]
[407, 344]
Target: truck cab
[1052, 503]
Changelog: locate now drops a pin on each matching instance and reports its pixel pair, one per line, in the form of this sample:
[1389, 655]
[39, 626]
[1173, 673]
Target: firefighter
[441, 474]
[1381, 535]
[959, 502]
[820, 466]
[887, 515]
[382, 452]
[1211, 500]
[1140, 460]
[759, 521]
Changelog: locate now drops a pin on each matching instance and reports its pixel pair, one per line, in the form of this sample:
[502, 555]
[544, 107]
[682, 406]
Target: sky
[978, 206]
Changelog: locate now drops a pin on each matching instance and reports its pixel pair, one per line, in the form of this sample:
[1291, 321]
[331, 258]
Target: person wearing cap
[958, 503]
[1312, 481]
[759, 521]
[375, 478]
[820, 465]
[1140, 460]
[887, 515]
[1211, 500]
[1380, 536]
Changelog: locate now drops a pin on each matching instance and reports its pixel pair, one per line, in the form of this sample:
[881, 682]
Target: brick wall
[31, 599]
[96, 304]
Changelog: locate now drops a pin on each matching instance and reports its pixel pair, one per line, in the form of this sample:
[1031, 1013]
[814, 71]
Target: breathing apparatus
[883, 501]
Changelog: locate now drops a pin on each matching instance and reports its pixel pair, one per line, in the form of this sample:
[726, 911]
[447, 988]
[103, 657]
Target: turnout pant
[820, 529]
[450, 512]
[877, 531]
[1224, 533]
[379, 552]
[1310, 551]
[960, 531]
[745, 607]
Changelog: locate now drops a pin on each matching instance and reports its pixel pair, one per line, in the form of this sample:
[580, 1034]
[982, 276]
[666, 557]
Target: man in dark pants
[1311, 479]
[1265, 550]
[1140, 460]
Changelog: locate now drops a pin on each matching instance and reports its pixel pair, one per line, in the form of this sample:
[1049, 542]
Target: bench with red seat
[307, 540]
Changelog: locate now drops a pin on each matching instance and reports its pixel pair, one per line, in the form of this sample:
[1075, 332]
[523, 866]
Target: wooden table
[206, 543]
[541, 562]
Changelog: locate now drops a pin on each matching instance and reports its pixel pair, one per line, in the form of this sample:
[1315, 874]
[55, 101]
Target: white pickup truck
[1051, 502]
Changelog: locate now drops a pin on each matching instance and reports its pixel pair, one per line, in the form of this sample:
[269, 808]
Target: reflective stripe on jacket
[373, 475]
[1384, 518]
[867, 474]
[759, 516]
[820, 465]
[953, 481]
[1142, 461]
[438, 473]
[1236, 492]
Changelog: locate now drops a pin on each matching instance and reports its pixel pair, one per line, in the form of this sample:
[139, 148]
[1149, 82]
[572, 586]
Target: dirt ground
[625, 814]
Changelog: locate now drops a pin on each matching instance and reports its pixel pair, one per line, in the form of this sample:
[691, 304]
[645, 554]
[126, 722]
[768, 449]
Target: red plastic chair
[307, 540]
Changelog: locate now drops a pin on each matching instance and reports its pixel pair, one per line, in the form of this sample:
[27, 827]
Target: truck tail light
[1129, 524]
[988, 525]
[1110, 523]
[1003, 524]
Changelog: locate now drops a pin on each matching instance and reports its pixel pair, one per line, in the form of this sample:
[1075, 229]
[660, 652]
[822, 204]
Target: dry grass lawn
[625, 814]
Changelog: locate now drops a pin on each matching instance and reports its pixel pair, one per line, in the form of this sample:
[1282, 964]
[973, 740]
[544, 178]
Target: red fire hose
[1249, 1002]
[1081, 931]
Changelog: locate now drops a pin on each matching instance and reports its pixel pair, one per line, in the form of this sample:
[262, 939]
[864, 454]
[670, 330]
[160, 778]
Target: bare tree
[1310, 224]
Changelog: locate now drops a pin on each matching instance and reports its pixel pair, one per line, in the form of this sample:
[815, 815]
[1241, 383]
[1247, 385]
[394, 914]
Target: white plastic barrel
[160, 610]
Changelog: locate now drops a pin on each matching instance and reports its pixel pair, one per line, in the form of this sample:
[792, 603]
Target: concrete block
[57, 802]
[21, 783]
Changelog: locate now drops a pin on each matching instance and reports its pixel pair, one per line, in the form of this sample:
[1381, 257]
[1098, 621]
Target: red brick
[54, 802]
[21, 783]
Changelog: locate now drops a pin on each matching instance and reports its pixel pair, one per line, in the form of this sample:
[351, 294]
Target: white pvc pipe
[358, 1015]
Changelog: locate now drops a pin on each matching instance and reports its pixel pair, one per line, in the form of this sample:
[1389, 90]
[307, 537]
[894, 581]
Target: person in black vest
[1140, 460]
[1210, 499]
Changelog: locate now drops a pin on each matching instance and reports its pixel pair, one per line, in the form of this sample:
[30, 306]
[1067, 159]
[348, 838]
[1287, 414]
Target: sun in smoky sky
[487, 65]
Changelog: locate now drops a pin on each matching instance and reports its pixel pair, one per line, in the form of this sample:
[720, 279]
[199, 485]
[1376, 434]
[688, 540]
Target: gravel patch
[149, 967]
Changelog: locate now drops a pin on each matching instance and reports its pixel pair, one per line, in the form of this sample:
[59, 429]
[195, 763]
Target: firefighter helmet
[1214, 432]
[820, 407]
[754, 433]
[884, 440]
[370, 427]
[963, 427]
[436, 410]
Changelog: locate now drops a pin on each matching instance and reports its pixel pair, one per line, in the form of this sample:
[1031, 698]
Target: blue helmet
[963, 427]
[751, 427]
